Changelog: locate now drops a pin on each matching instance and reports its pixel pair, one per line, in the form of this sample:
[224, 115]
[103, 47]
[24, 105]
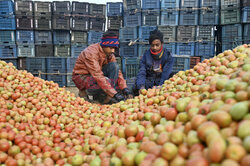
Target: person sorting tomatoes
[156, 64]
[96, 72]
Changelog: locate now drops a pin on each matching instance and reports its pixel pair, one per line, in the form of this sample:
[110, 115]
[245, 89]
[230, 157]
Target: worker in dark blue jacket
[155, 66]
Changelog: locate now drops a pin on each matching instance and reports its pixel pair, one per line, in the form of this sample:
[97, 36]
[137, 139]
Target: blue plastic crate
[169, 33]
[185, 49]
[62, 50]
[33, 65]
[246, 34]
[128, 51]
[43, 37]
[59, 79]
[142, 48]
[6, 7]
[209, 17]
[128, 33]
[94, 37]
[170, 4]
[79, 37]
[130, 67]
[151, 4]
[71, 64]
[186, 33]
[205, 50]
[169, 17]
[55, 65]
[77, 49]
[151, 17]
[7, 23]
[205, 33]
[230, 3]
[171, 47]
[189, 3]
[230, 16]
[7, 37]
[98, 10]
[13, 61]
[230, 43]
[114, 9]
[144, 32]
[132, 19]
[189, 17]
[181, 63]
[8, 51]
[232, 31]
[26, 50]
[25, 37]
[210, 3]
[246, 15]
[132, 4]
[61, 37]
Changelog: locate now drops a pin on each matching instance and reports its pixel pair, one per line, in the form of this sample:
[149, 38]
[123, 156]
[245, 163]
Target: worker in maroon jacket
[96, 72]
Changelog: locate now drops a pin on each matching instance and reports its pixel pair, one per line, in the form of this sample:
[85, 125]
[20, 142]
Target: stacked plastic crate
[7, 32]
[246, 20]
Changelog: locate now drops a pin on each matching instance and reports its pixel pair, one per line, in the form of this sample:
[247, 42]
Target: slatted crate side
[8, 51]
[55, 65]
[77, 49]
[25, 37]
[42, 8]
[97, 23]
[246, 3]
[114, 9]
[70, 64]
[43, 37]
[229, 44]
[131, 4]
[205, 50]
[170, 4]
[7, 37]
[114, 22]
[181, 63]
[130, 67]
[186, 33]
[142, 49]
[59, 79]
[33, 65]
[210, 3]
[230, 16]
[79, 37]
[128, 51]
[246, 15]
[7, 23]
[80, 8]
[97, 10]
[151, 4]
[209, 17]
[246, 33]
[26, 50]
[6, 7]
[24, 8]
[61, 37]
[232, 31]
[189, 17]
[61, 7]
[150, 17]
[43, 23]
[230, 4]
[170, 17]
[189, 3]
[62, 50]
[185, 49]
[94, 37]
[44, 50]
[24, 22]
[169, 33]
[205, 33]
[61, 22]
[132, 19]
[144, 32]
[171, 47]
[128, 33]
[80, 23]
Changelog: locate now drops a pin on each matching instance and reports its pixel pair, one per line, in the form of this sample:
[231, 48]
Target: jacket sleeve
[141, 76]
[167, 68]
[96, 72]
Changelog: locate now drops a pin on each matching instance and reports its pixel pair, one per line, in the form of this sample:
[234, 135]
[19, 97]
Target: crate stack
[246, 21]
[7, 32]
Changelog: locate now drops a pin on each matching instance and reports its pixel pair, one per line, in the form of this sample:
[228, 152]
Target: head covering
[156, 34]
[109, 39]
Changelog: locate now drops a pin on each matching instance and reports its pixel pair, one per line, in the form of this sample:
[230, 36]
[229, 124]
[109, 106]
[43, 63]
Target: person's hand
[127, 93]
[118, 97]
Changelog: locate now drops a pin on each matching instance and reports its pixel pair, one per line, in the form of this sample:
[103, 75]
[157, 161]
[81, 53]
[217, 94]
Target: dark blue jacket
[147, 76]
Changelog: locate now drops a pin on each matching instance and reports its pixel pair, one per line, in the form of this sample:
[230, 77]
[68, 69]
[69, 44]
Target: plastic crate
[97, 10]
[24, 22]
[42, 8]
[79, 37]
[13, 61]
[132, 18]
[97, 23]
[24, 37]
[181, 63]
[151, 4]
[114, 22]
[209, 17]
[230, 16]
[130, 67]
[246, 33]
[205, 50]
[232, 31]
[169, 33]
[114, 9]
[131, 4]
[186, 33]
[245, 3]
[44, 50]
[128, 51]
[189, 17]
[142, 48]
[246, 15]
[81, 8]
[94, 37]
[61, 7]
[169, 17]
[144, 32]
[128, 33]
[77, 49]
[61, 23]
[61, 37]
[151, 17]
[62, 50]
[71, 64]
[8, 51]
[230, 4]
[43, 37]
[43, 23]
[130, 82]
[205, 33]
[194, 60]
[185, 49]
[24, 8]
[26, 50]
[80, 23]
[230, 43]
[210, 3]
[171, 47]
[59, 79]
[189, 4]
[55, 65]
[7, 23]
[6, 7]
[7, 37]
[170, 4]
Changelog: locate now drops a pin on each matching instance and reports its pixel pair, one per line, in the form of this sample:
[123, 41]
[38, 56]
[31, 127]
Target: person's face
[156, 45]
[109, 50]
